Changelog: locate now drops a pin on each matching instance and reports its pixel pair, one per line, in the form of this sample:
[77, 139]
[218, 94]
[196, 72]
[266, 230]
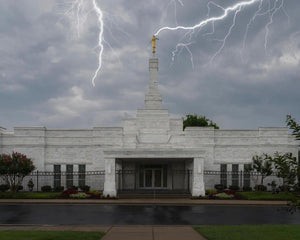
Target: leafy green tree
[287, 168]
[263, 166]
[293, 125]
[198, 121]
[13, 168]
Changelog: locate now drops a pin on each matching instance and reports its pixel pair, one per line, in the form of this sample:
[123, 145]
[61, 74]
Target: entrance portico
[154, 169]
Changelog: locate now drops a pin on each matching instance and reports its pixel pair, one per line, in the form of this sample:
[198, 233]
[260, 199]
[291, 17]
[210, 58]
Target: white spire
[153, 98]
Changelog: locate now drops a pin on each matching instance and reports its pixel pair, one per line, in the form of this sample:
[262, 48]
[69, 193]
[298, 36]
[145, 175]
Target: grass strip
[262, 232]
[50, 235]
[268, 196]
[29, 195]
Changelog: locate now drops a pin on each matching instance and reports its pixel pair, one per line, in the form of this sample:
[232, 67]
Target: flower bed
[80, 194]
[225, 194]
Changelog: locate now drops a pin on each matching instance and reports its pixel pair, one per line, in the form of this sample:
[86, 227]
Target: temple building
[148, 152]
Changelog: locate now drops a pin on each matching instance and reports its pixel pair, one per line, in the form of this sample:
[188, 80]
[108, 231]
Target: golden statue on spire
[153, 40]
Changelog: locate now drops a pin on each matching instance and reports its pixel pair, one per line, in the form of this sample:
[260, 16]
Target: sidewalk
[163, 201]
[122, 232]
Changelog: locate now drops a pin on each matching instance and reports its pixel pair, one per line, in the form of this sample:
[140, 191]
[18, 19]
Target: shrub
[96, 192]
[262, 188]
[85, 188]
[220, 187]
[19, 188]
[58, 189]
[4, 187]
[233, 187]
[284, 188]
[210, 191]
[224, 196]
[93, 195]
[247, 189]
[46, 188]
[80, 195]
[73, 188]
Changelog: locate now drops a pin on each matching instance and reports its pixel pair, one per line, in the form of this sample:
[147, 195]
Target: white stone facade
[150, 138]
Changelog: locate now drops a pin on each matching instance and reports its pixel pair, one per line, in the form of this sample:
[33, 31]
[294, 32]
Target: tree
[262, 166]
[293, 125]
[13, 168]
[198, 121]
[287, 168]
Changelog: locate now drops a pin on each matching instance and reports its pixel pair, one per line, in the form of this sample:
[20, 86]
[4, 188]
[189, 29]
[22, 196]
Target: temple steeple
[153, 98]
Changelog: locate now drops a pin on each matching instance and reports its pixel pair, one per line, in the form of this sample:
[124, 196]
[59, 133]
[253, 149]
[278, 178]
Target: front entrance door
[153, 177]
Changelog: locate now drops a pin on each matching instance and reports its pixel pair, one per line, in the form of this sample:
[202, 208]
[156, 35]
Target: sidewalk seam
[109, 230]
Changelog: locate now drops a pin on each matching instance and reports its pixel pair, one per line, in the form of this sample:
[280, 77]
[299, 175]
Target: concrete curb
[173, 202]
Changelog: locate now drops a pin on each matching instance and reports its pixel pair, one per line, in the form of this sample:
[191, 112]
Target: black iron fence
[240, 179]
[63, 180]
[176, 180]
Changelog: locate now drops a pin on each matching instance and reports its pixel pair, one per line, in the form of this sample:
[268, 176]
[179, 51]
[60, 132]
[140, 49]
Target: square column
[198, 188]
[110, 178]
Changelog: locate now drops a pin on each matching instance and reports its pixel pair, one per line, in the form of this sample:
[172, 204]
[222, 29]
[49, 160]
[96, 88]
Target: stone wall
[49, 147]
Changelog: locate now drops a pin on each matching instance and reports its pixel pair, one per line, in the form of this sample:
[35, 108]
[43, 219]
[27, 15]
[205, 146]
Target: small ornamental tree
[263, 166]
[287, 168]
[13, 168]
[293, 125]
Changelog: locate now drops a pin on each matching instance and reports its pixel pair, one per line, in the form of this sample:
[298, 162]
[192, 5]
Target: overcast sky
[46, 67]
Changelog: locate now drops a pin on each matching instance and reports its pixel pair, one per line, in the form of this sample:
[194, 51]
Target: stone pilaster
[198, 178]
[110, 178]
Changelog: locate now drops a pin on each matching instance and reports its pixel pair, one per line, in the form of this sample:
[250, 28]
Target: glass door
[153, 178]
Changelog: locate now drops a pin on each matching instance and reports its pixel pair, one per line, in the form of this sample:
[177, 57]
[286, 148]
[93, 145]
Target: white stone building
[150, 151]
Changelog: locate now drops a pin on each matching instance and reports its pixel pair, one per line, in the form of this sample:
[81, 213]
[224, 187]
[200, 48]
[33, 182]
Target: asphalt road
[144, 215]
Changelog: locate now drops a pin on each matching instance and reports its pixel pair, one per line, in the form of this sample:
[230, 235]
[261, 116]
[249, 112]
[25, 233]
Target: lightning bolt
[227, 35]
[182, 46]
[100, 39]
[77, 11]
[272, 12]
[273, 7]
[209, 20]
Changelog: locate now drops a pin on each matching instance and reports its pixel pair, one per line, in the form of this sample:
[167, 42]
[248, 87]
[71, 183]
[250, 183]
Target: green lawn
[263, 232]
[267, 196]
[29, 195]
[49, 235]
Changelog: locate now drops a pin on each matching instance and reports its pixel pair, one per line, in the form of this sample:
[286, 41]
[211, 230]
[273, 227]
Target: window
[69, 176]
[81, 175]
[247, 175]
[235, 175]
[57, 176]
[224, 174]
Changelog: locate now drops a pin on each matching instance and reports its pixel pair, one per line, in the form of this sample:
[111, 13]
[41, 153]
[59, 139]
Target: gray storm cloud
[46, 69]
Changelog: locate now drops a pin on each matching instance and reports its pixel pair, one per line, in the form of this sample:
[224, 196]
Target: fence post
[37, 180]
[241, 180]
[188, 173]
